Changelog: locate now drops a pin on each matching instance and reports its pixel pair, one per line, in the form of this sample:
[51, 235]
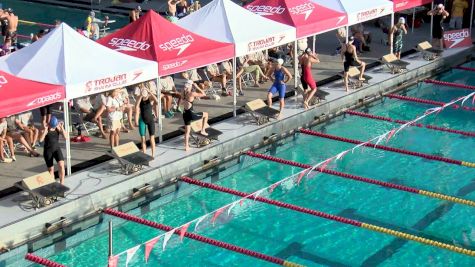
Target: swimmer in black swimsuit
[348, 54]
[439, 14]
[52, 150]
[188, 114]
[144, 117]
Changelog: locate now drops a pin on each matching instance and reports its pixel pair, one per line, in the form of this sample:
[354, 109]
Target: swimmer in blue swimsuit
[280, 77]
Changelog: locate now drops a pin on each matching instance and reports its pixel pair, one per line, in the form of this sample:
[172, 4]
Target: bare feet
[362, 79]
[203, 132]
[305, 105]
[187, 148]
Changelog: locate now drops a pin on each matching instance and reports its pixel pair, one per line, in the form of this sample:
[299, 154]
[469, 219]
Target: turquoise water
[48, 14]
[315, 241]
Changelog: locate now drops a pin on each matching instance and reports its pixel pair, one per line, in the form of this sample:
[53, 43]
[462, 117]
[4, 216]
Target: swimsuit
[397, 41]
[349, 61]
[278, 86]
[11, 35]
[146, 118]
[51, 148]
[307, 78]
[189, 115]
[438, 29]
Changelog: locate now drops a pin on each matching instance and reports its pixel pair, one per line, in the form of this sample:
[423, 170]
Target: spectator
[395, 36]
[144, 117]
[458, 10]
[195, 6]
[172, 7]
[84, 106]
[244, 67]
[52, 150]
[40, 34]
[45, 113]
[12, 25]
[181, 8]
[100, 107]
[280, 77]
[128, 108]
[135, 14]
[15, 134]
[5, 140]
[24, 122]
[169, 92]
[189, 114]
[196, 78]
[115, 107]
[439, 14]
[216, 76]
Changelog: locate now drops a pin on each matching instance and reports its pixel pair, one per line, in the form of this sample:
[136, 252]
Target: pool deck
[103, 185]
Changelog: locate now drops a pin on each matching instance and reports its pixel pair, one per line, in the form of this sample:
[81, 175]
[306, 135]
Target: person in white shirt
[5, 140]
[115, 107]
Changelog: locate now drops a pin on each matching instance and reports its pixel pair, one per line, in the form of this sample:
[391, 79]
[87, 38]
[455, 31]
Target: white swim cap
[280, 61]
[92, 14]
[440, 6]
[402, 20]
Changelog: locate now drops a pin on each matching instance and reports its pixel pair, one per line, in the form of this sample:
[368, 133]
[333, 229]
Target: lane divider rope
[464, 68]
[35, 23]
[42, 261]
[336, 218]
[427, 101]
[450, 84]
[201, 238]
[366, 180]
[391, 149]
[420, 125]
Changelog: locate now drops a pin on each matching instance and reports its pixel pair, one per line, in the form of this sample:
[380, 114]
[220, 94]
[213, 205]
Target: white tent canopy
[83, 66]
[225, 21]
[360, 11]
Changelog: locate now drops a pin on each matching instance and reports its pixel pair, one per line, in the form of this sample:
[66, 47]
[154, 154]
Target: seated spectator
[24, 123]
[128, 108]
[84, 106]
[195, 6]
[259, 59]
[40, 34]
[216, 76]
[115, 108]
[361, 39]
[100, 107]
[245, 67]
[341, 37]
[196, 78]
[181, 9]
[5, 140]
[168, 90]
[15, 134]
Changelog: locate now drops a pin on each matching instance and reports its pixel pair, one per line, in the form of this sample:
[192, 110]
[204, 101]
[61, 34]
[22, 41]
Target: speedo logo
[264, 10]
[45, 99]
[174, 65]
[122, 44]
[456, 37]
[402, 4]
[180, 44]
[3, 80]
[303, 9]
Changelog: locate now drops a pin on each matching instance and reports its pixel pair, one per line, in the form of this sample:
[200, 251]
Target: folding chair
[197, 138]
[42, 188]
[353, 78]
[395, 65]
[260, 112]
[428, 52]
[130, 157]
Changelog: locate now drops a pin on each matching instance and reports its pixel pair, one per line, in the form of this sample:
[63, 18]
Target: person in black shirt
[52, 151]
[144, 117]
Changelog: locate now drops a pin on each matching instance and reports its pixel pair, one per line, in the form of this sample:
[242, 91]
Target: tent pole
[471, 18]
[234, 88]
[313, 40]
[347, 33]
[296, 69]
[391, 48]
[413, 19]
[68, 140]
[431, 20]
[160, 123]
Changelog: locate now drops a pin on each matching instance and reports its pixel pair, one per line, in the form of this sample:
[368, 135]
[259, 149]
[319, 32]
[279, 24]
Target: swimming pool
[47, 14]
[310, 240]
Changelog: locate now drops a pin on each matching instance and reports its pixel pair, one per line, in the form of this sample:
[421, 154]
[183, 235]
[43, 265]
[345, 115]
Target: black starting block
[130, 158]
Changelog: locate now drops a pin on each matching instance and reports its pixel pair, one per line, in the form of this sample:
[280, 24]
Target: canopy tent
[20, 95]
[174, 48]
[83, 66]
[307, 17]
[400, 5]
[225, 21]
[359, 11]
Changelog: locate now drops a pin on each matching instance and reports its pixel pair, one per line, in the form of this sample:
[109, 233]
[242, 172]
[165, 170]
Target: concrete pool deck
[103, 185]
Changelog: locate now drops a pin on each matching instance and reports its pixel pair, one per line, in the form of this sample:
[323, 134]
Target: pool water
[314, 241]
[47, 14]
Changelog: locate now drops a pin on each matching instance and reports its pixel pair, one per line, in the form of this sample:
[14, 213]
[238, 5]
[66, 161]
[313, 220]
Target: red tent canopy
[308, 17]
[174, 48]
[406, 4]
[19, 95]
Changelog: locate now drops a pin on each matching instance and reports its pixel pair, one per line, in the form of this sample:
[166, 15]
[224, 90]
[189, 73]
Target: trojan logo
[369, 14]
[180, 44]
[106, 83]
[128, 45]
[305, 9]
[264, 10]
[457, 38]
